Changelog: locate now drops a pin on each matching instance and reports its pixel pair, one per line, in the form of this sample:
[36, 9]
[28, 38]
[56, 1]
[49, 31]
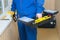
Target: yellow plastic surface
[10, 13]
[42, 19]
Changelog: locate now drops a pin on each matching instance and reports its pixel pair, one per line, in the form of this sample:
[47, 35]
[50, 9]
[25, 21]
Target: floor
[47, 34]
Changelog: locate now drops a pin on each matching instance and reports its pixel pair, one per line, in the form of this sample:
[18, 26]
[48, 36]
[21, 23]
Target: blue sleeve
[13, 6]
[39, 5]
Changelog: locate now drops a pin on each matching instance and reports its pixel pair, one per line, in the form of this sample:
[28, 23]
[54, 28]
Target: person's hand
[39, 15]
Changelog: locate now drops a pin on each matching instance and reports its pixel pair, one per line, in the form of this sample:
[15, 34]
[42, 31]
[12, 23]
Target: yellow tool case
[52, 22]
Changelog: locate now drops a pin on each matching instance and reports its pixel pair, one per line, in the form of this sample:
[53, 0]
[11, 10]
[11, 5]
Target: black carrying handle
[14, 17]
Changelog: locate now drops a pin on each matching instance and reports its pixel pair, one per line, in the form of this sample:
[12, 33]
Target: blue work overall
[28, 8]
